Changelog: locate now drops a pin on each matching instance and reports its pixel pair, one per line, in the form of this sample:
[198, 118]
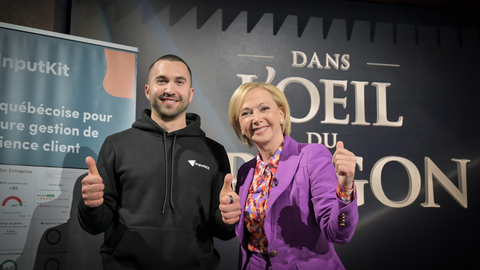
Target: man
[161, 183]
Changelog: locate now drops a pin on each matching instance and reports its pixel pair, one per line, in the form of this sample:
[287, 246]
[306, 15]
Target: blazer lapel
[243, 193]
[287, 167]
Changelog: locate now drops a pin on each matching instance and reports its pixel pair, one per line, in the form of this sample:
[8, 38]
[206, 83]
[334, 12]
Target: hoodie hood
[147, 124]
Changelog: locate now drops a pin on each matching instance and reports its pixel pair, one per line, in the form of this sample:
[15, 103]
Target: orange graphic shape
[120, 78]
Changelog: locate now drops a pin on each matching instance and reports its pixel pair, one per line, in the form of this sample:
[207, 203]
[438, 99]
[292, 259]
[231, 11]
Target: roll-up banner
[60, 97]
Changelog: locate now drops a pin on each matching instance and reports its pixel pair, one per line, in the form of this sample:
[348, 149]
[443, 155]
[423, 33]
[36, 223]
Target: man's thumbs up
[92, 167]
[92, 185]
[229, 202]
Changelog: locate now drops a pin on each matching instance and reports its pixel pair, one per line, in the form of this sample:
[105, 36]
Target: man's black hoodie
[162, 196]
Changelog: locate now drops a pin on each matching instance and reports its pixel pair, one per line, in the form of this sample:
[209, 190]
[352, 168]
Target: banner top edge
[69, 37]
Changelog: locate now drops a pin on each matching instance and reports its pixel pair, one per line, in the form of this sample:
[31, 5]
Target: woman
[294, 207]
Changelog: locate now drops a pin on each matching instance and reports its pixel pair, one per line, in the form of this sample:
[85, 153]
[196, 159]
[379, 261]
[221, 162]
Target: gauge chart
[16, 198]
[17, 201]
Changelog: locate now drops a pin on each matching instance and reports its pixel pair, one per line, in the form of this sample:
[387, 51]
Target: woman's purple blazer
[304, 215]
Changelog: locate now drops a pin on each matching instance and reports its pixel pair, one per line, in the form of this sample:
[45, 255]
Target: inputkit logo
[40, 66]
[195, 163]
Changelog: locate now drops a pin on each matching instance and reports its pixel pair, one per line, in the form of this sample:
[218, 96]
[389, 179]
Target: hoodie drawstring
[167, 193]
[171, 174]
[166, 172]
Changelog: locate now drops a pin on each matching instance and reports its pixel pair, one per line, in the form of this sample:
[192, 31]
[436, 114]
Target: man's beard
[166, 113]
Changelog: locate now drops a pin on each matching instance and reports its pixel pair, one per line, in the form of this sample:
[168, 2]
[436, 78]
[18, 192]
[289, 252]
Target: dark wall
[50, 15]
[55, 15]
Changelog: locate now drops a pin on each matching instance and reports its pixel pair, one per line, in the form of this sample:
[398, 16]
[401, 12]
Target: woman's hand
[345, 163]
[229, 202]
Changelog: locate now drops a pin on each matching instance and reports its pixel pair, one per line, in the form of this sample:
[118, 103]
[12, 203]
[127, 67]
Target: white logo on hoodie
[195, 163]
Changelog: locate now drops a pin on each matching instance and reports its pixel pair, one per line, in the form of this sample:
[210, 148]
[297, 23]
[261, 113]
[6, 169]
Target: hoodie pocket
[148, 247]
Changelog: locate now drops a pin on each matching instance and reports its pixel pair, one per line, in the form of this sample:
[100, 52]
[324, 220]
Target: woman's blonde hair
[237, 100]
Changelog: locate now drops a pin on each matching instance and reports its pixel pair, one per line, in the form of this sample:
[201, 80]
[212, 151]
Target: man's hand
[92, 185]
[229, 202]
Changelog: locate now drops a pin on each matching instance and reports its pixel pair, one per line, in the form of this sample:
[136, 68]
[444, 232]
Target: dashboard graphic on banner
[60, 97]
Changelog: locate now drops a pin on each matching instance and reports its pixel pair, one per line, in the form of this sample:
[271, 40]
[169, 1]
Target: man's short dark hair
[171, 58]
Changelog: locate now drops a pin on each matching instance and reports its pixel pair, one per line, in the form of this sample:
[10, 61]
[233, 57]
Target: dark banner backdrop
[399, 85]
